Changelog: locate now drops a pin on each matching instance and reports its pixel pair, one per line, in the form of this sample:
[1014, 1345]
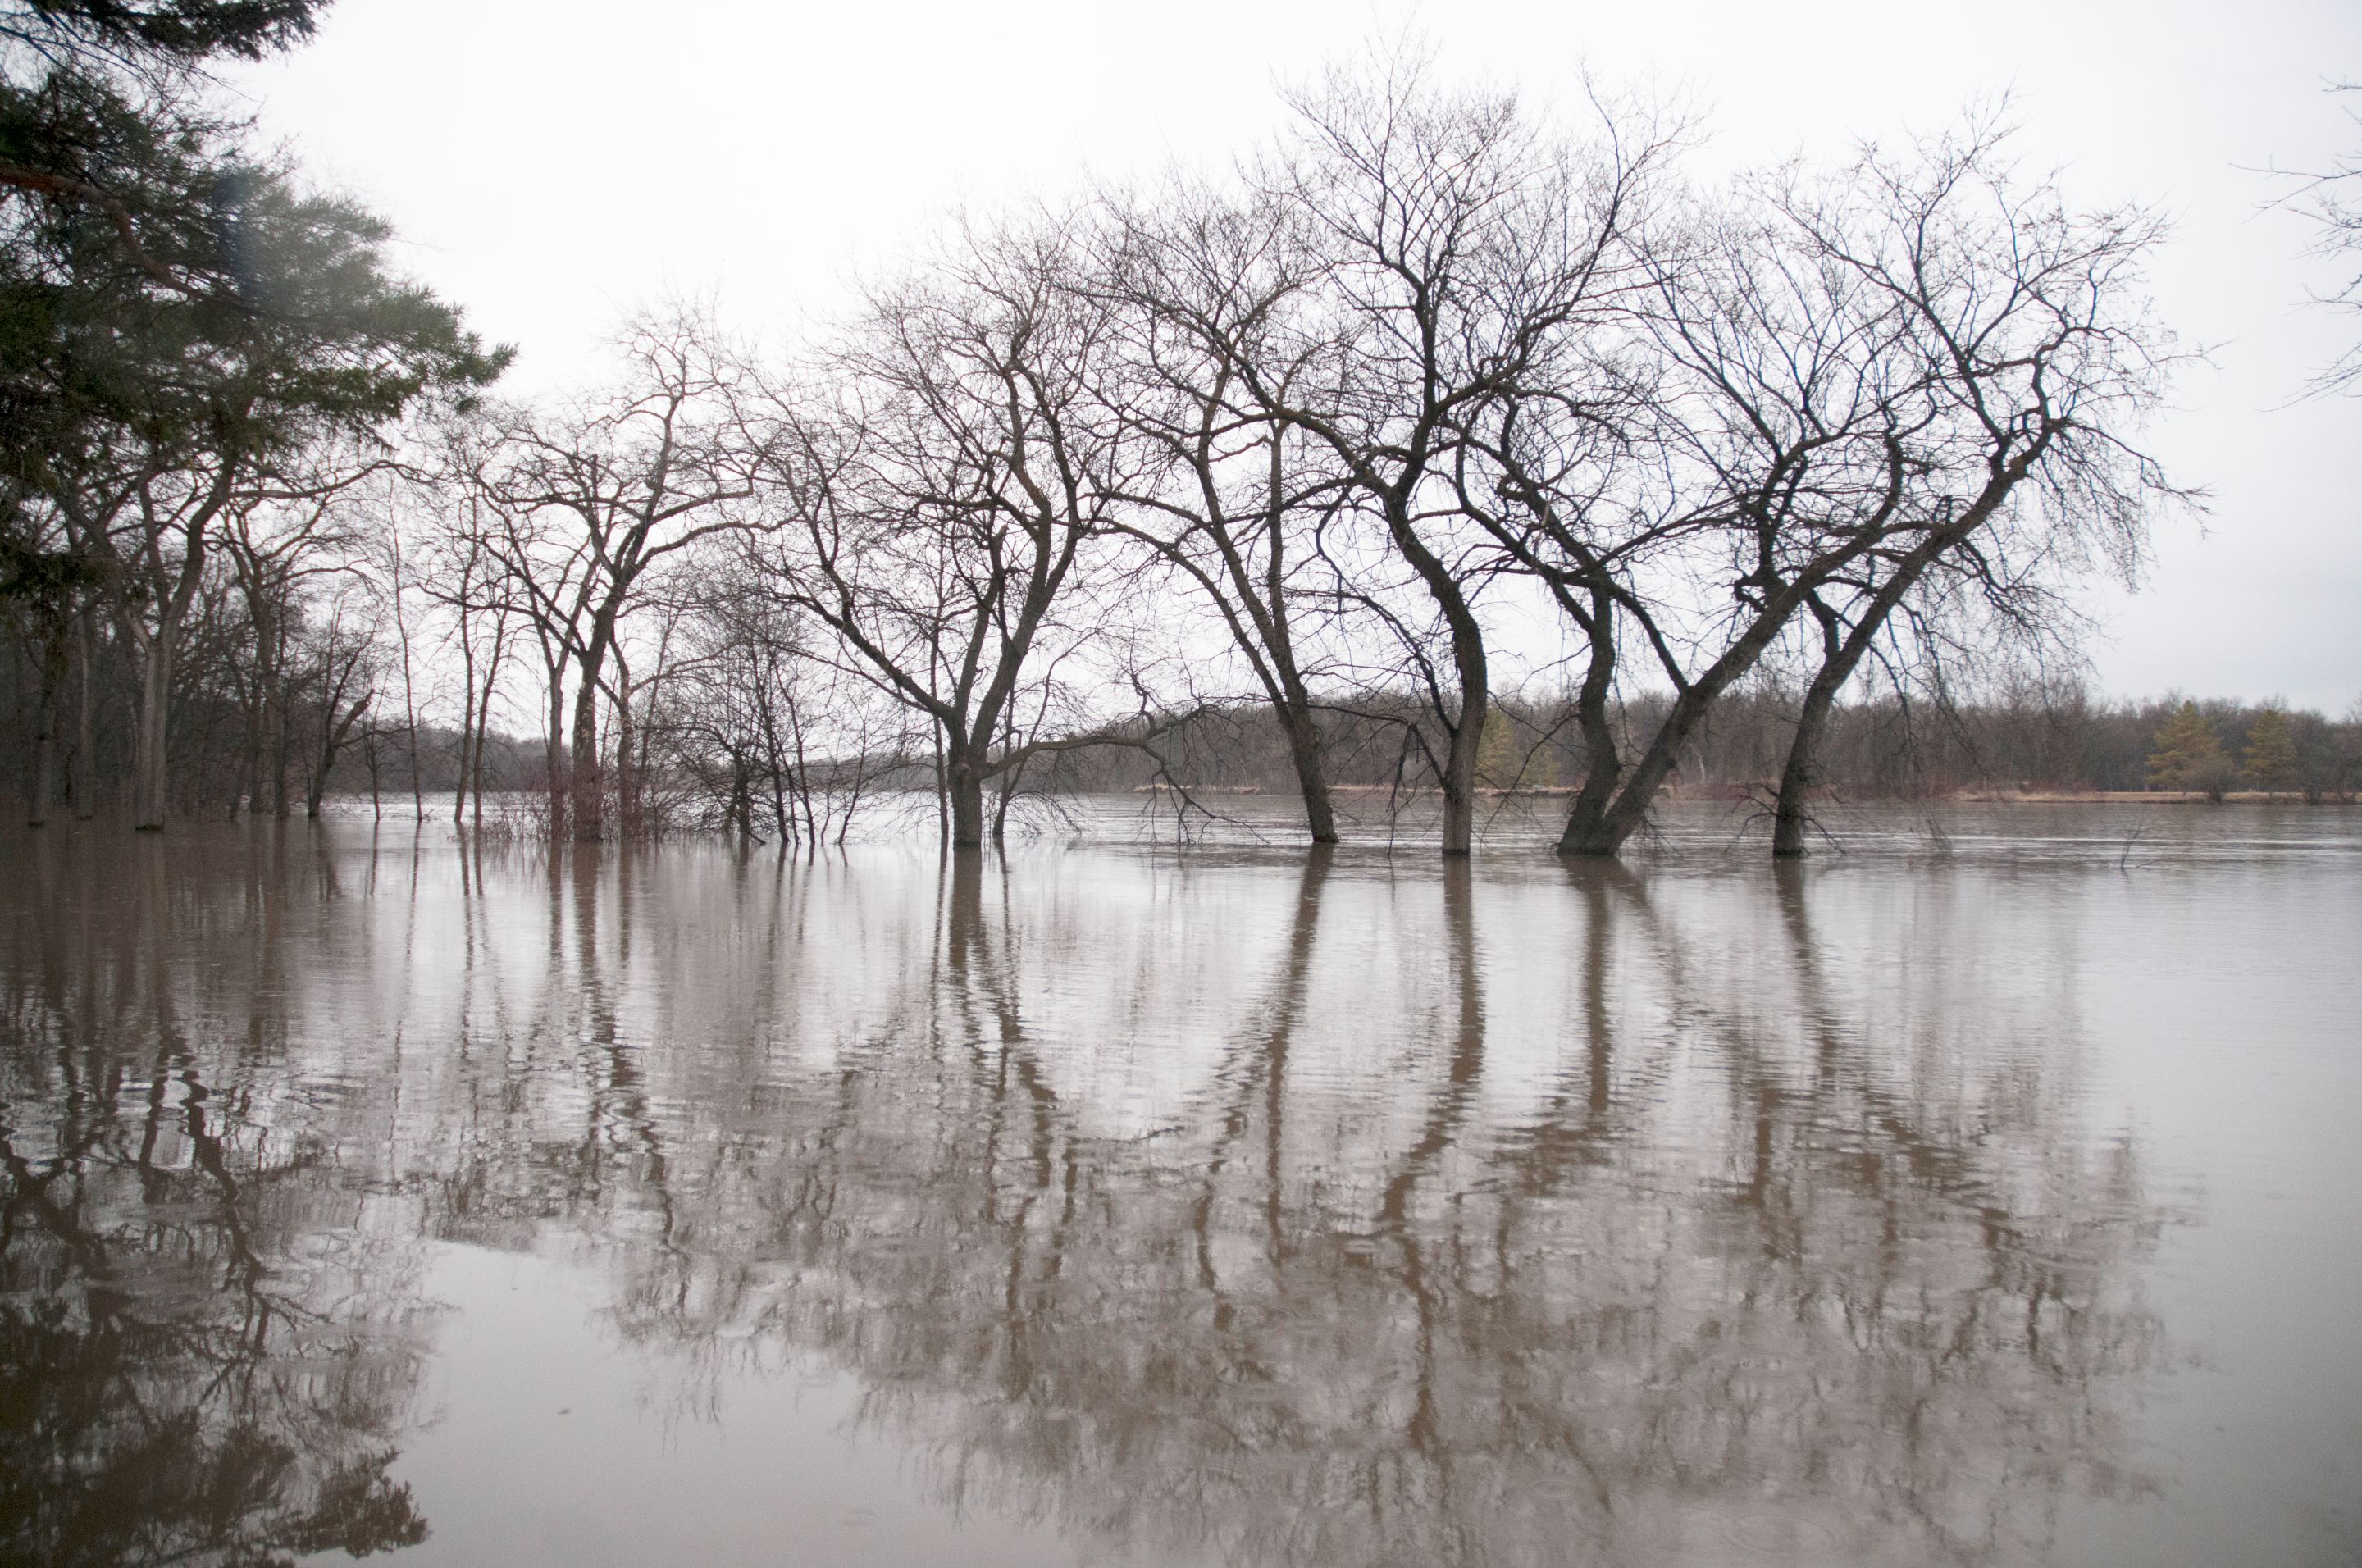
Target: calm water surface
[1988, 1194]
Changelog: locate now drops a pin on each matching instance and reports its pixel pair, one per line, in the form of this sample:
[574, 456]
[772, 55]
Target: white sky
[552, 163]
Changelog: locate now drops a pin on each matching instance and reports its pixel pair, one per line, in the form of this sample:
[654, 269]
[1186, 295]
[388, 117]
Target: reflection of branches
[161, 1409]
[1437, 1336]
[1283, 1217]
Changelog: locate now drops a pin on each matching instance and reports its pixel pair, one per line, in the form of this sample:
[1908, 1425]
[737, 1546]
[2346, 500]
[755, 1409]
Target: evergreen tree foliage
[2271, 759]
[2188, 754]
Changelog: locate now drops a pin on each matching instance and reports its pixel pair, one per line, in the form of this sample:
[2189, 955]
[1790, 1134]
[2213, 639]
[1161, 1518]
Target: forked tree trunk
[1468, 661]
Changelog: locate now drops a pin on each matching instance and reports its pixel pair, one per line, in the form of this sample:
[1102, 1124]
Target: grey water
[1985, 1191]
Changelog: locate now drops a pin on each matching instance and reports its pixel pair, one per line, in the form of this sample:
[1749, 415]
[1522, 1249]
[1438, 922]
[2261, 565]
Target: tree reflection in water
[207, 1351]
[1306, 1211]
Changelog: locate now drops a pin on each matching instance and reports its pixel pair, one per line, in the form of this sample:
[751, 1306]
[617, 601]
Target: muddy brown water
[1986, 1194]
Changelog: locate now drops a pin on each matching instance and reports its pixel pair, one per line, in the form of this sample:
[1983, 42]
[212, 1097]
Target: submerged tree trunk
[1468, 662]
[1843, 654]
[554, 752]
[334, 733]
[1311, 777]
[282, 748]
[152, 780]
[1788, 819]
[45, 734]
[1460, 771]
[80, 778]
[585, 802]
[627, 814]
[1602, 820]
[966, 791]
[587, 785]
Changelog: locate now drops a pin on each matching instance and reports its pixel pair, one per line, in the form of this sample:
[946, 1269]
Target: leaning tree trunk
[1843, 656]
[1311, 778]
[1468, 665]
[1788, 817]
[1601, 826]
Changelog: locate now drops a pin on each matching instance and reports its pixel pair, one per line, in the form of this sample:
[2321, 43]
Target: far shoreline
[1735, 794]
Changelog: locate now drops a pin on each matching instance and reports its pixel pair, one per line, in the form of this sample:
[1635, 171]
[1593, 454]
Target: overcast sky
[552, 163]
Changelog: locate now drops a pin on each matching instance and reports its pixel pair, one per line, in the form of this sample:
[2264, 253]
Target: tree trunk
[627, 814]
[484, 724]
[45, 732]
[554, 754]
[587, 792]
[80, 780]
[1311, 779]
[1460, 768]
[1604, 830]
[1468, 665]
[1603, 763]
[151, 799]
[1788, 816]
[965, 787]
[1600, 822]
[282, 743]
[586, 802]
[467, 755]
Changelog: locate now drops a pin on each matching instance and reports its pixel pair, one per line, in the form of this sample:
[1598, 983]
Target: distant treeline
[1881, 749]
[275, 736]
[268, 728]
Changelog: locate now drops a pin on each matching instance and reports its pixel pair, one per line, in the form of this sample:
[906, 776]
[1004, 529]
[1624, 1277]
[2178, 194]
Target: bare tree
[1240, 498]
[2332, 198]
[2040, 357]
[940, 478]
[620, 485]
[1455, 246]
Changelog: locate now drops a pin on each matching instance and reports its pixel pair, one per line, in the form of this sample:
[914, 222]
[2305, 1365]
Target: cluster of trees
[1430, 406]
[199, 358]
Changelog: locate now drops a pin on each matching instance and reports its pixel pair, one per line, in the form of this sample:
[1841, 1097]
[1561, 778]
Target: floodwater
[1986, 1194]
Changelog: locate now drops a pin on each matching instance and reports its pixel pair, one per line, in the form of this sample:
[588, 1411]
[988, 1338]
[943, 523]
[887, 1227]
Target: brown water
[1986, 1195]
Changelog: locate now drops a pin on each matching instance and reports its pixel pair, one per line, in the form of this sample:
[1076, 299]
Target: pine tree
[1496, 752]
[2272, 759]
[2188, 755]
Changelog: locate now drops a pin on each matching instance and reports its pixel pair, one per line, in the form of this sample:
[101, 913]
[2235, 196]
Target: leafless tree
[598, 495]
[2332, 198]
[1453, 248]
[2040, 358]
[1240, 498]
[940, 473]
